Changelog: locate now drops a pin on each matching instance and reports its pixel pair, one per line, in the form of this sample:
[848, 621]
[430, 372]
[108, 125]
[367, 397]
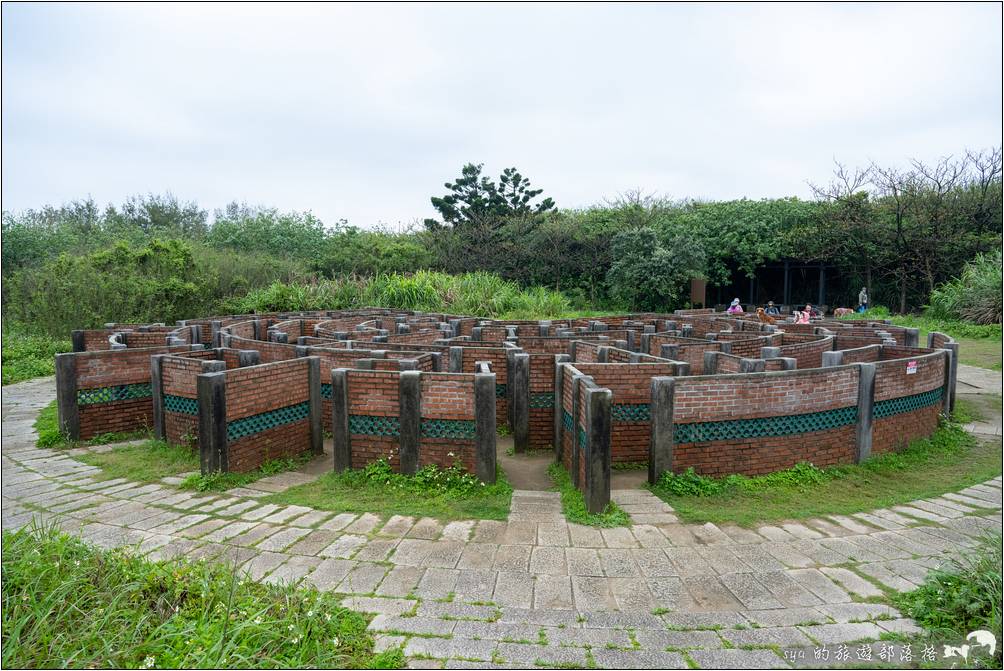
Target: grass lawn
[67, 604]
[947, 461]
[148, 461]
[445, 494]
[573, 503]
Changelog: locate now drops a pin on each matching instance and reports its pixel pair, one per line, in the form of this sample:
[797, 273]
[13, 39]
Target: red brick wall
[374, 393]
[178, 375]
[727, 363]
[257, 389]
[629, 384]
[720, 398]
[111, 368]
[587, 352]
[270, 352]
[500, 366]
[892, 381]
[244, 329]
[448, 396]
[541, 419]
[866, 354]
[807, 354]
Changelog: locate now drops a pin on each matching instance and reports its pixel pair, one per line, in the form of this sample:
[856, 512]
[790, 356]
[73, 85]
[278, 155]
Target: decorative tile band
[566, 420]
[896, 406]
[582, 438]
[542, 400]
[374, 425]
[182, 404]
[458, 429]
[500, 391]
[762, 427]
[119, 392]
[630, 412]
[248, 426]
[326, 390]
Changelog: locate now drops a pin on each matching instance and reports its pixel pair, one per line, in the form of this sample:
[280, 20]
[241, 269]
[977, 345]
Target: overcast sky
[362, 112]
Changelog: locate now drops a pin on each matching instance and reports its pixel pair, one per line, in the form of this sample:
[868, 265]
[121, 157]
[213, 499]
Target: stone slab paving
[531, 590]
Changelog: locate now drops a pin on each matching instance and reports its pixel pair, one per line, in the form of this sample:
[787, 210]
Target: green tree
[648, 274]
[476, 198]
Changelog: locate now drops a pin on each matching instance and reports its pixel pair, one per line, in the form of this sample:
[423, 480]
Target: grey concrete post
[212, 394]
[559, 402]
[454, 327]
[410, 404]
[866, 408]
[644, 342]
[726, 348]
[602, 354]
[214, 329]
[66, 395]
[157, 395]
[456, 359]
[259, 327]
[710, 362]
[947, 385]
[77, 338]
[660, 449]
[833, 358]
[789, 363]
[648, 328]
[341, 438]
[573, 350]
[314, 389]
[576, 451]
[248, 357]
[407, 364]
[911, 337]
[631, 340]
[682, 368]
[597, 490]
[687, 330]
[770, 352]
[484, 427]
[519, 400]
[476, 333]
[364, 364]
[953, 347]
[751, 365]
[302, 350]
[711, 336]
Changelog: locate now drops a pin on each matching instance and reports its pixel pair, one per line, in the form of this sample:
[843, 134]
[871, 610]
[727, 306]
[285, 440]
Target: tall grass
[68, 604]
[481, 294]
[974, 296]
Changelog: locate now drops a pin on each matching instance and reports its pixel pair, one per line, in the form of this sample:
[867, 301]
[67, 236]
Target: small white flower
[149, 662]
[295, 639]
[291, 627]
[310, 613]
[327, 617]
[335, 641]
[76, 563]
[450, 454]
[257, 620]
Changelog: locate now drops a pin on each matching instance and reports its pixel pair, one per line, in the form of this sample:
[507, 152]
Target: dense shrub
[975, 295]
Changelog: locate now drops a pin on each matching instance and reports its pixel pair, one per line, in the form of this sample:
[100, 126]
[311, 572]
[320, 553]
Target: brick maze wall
[447, 434]
[717, 423]
[541, 401]
[906, 404]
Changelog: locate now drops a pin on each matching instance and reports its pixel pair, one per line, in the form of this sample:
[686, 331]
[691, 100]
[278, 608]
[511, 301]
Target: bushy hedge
[974, 296]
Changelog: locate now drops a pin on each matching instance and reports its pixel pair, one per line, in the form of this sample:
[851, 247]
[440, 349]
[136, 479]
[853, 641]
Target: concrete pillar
[726, 348]
[952, 372]
[340, 419]
[710, 363]
[518, 388]
[789, 363]
[77, 338]
[834, 358]
[248, 357]
[315, 408]
[476, 333]
[687, 330]
[212, 394]
[576, 450]
[645, 341]
[682, 368]
[484, 427]
[597, 490]
[866, 408]
[602, 354]
[669, 351]
[660, 450]
[770, 352]
[751, 365]
[157, 395]
[559, 403]
[410, 407]
[66, 395]
[456, 359]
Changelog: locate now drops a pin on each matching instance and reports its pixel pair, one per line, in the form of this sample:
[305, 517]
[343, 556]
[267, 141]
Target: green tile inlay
[566, 420]
[762, 427]
[374, 425]
[460, 429]
[182, 404]
[248, 426]
[582, 438]
[542, 400]
[896, 406]
[326, 390]
[630, 412]
[500, 390]
[119, 392]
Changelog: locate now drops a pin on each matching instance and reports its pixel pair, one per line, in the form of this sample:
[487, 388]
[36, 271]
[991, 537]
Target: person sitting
[772, 310]
[813, 312]
[735, 308]
[801, 317]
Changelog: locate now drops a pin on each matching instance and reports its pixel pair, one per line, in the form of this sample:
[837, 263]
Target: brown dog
[764, 317]
[842, 312]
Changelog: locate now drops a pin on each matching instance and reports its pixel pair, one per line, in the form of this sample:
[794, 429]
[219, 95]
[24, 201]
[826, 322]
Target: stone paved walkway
[534, 589]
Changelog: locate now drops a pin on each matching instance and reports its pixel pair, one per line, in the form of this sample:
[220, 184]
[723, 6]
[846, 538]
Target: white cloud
[363, 111]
